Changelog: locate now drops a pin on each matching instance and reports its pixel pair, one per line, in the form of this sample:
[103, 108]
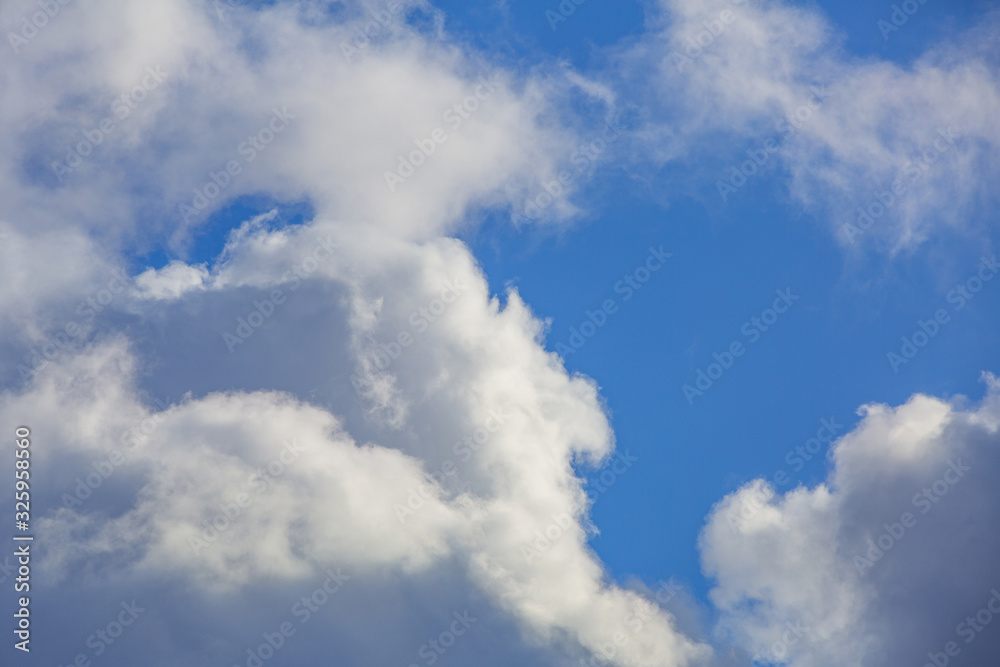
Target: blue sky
[800, 322]
[822, 360]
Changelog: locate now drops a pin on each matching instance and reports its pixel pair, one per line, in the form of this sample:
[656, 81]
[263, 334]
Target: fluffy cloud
[441, 433]
[219, 439]
[349, 384]
[844, 129]
[879, 564]
[191, 108]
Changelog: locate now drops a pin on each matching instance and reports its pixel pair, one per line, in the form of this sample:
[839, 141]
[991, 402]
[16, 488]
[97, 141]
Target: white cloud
[265, 101]
[171, 281]
[372, 341]
[472, 397]
[743, 70]
[269, 94]
[864, 566]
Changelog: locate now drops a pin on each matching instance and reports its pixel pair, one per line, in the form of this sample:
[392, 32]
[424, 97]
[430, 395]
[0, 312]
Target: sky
[640, 334]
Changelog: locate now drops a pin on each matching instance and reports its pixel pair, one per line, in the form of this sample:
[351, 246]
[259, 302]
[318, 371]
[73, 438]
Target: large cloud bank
[336, 425]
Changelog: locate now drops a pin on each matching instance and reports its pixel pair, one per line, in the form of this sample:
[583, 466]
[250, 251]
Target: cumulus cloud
[878, 564]
[442, 433]
[344, 406]
[320, 376]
